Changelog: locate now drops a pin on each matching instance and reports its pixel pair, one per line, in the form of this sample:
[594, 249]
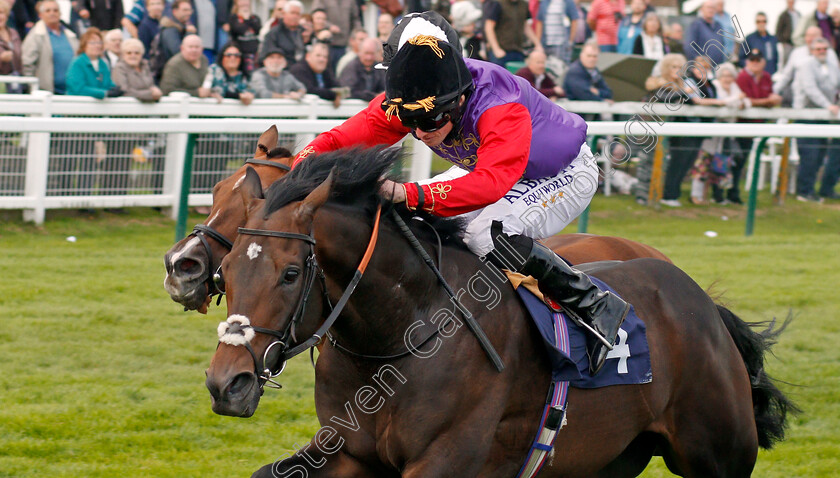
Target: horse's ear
[266, 143]
[250, 187]
[316, 199]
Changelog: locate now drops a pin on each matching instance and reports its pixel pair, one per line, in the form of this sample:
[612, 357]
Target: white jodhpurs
[537, 208]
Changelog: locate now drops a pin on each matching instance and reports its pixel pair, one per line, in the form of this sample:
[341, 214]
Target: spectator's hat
[272, 50]
[413, 24]
[424, 82]
[463, 14]
[755, 55]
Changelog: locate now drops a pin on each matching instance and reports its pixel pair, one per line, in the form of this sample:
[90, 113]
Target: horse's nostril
[187, 265]
[240, 383]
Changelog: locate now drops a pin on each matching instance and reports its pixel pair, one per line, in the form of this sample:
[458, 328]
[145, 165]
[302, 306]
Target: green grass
[102, 375]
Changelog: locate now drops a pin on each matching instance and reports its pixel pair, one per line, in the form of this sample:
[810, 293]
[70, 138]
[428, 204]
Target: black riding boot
[565, 285]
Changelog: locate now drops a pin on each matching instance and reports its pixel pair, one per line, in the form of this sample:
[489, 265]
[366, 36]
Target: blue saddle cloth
[627, 364]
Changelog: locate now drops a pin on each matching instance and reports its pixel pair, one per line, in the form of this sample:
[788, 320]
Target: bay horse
[387, 412]
[191, 262]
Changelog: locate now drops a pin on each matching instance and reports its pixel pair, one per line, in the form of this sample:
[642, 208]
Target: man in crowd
[724, 18]
[113, 43]
[102, 14]
[798, 57]
[703, 33]
[761, 39]
[534, 72]
[505, 30]
[172, 30]
[314, 74]
[150, 24]
[559, 27]
[272, 81]
[187, 69]
[287, 36]
[785, 26]
[343, 14]
[356, 38]
[817, 86]
[755, 82]
[674, 38]
[274, 19]
[48, 49]
[819, 18]
[583, 81]
[603, 18]
[365, 81]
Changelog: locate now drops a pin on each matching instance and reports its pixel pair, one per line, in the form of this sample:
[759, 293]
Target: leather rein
[283, 338]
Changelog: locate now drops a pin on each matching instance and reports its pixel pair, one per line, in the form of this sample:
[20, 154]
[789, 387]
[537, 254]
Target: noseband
[203, 231]
[284, 338]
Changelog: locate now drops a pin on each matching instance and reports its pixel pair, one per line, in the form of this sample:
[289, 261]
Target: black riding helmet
[424, 82]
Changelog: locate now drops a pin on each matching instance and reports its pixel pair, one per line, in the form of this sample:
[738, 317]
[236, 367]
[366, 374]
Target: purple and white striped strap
[554, 414]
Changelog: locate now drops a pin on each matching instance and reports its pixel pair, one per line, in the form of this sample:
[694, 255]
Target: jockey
[522, 169]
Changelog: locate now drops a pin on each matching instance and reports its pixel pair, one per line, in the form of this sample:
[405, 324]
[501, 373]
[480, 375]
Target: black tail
[770, 405]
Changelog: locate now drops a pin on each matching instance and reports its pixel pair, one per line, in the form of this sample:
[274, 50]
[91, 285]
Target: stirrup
[576, 319]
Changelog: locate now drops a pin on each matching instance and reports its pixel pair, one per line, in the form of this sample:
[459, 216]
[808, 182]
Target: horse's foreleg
[311, 461]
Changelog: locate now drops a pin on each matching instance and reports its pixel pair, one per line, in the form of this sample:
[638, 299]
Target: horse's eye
[291, 275]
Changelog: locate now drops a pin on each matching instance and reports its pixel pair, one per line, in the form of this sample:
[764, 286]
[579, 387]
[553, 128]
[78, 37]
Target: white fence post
[176, 148]
[37, 161]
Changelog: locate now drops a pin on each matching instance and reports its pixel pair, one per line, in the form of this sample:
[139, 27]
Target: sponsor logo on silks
[543, 192]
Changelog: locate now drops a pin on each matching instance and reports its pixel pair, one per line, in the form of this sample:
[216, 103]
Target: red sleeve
[369, 127]
[505, 133]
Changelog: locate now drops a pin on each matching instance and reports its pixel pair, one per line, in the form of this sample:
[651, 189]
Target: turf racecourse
[102, 375]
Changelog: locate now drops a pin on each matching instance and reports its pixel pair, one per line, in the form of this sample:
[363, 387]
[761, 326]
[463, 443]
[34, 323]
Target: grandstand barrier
[79, 152]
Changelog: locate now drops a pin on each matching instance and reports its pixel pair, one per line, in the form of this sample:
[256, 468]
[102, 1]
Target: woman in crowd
[225, 78]
[10, 63]
[670, 87]
[713, 165]
[88, 74]
[630, 27]
[649, 43]
[132, 73]
[244, 33]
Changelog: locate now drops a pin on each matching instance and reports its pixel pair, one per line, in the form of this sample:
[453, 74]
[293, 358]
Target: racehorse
[191, 262]
[388, 410]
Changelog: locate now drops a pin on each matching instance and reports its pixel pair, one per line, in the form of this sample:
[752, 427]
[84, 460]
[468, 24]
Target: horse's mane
[279, 152]
[357, 176]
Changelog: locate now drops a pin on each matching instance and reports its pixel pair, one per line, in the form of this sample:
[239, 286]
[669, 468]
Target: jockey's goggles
[428, 124]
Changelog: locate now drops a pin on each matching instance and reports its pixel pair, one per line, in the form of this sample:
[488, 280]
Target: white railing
[53, 148]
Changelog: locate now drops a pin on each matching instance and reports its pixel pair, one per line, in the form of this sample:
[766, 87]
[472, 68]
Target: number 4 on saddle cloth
[627, 364]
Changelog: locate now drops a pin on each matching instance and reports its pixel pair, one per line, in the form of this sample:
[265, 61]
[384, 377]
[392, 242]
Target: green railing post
[753, 200]
[583, 221]
[186, 180]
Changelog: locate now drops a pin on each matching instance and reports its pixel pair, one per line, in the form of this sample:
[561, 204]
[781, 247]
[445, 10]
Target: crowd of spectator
[247, 49]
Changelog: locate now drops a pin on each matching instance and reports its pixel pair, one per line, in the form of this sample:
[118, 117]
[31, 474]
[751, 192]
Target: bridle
[203, 231]
[284, 338]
